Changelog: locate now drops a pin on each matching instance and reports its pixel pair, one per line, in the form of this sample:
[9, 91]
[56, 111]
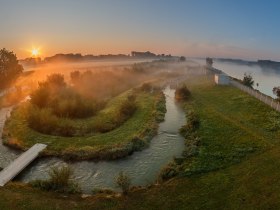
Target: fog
[266, 78]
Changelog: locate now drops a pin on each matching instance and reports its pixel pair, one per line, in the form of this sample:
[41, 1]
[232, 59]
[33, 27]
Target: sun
[35, 52]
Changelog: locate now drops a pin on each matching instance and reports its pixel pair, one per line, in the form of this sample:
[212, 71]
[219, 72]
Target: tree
[182, 59]
[75, 77]
[248, 80]
[10, 69]
[209, 62]
[55, 81]
[276, 91]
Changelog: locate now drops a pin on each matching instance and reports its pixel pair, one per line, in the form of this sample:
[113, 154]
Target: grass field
[114, 144]
[237, 166]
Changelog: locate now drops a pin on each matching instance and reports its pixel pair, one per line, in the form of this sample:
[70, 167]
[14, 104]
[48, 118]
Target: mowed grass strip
[233, 125]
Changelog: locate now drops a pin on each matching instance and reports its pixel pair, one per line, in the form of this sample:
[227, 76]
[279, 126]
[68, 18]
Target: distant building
[222, 79]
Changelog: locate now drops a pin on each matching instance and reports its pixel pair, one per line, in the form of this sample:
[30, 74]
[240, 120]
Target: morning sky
[248, 29]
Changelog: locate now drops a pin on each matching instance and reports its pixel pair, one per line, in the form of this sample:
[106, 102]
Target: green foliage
[115, 142]
[59, 181]
[44, 121]
[147, 87]
[75, 77]
[226, 132]
[248, 80]
[168, 172]
[161, 107]
[64, 101]
[105, 191]
[40, 97]
[182, 59]
[70, 104]
[10, 69]
[233, 132]
[276, 91]
[192, 123]
[128, 108]
[182, 93]
[209, 62]
[123, 181]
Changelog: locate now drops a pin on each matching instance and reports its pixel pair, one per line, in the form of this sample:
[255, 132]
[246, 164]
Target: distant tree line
[77, 57]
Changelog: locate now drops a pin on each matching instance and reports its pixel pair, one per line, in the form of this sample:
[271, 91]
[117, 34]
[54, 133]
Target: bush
[40, 97]
[62, 99]
[182, 93]
[248, 80]
[128, 108]
[123, 181]
[59, 181]
[44, 121]
[146, 87]
[41, 120]
[71, 105]
[168, 172]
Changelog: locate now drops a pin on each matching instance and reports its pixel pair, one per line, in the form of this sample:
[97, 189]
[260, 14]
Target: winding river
[143, 167]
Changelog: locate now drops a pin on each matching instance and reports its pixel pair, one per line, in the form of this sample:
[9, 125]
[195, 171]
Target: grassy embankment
[132, 135]
[237, 166]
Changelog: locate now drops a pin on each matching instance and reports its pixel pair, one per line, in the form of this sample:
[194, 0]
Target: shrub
[138, 143]
[248, 80]
[146, 87]
[73, 106]
[168, 172]
[62, 99]
[191, 125]
[103, 191]
[276, 91]
[41, 120]
[75, 77]
[123, 181]
[59, 181]
[40, 97]
[128, 108]
[44, 121]
[182, 93]
[60, 176]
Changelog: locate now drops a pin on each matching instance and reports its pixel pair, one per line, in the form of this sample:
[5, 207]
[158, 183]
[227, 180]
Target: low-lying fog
[266, 78]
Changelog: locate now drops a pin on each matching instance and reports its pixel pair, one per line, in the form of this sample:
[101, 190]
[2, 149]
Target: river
[143, 167]
[266, 78]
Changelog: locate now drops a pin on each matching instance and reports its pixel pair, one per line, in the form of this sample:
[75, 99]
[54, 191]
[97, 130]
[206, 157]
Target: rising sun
[35, 52]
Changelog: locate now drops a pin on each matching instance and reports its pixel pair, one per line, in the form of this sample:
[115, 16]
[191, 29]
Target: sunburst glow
[35, 52]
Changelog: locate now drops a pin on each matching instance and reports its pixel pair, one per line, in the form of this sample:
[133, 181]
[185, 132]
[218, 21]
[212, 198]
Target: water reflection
[267, 78]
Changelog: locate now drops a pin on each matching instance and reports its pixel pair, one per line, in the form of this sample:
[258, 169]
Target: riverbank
[133, 135]
[236, 167]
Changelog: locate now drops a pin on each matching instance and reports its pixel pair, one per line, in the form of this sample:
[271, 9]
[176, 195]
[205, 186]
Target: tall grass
[59, 181]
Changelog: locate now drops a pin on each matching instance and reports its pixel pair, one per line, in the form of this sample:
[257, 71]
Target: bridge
[20, 163]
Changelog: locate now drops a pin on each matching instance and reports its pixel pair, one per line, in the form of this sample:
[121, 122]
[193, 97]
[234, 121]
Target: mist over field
[139, 104]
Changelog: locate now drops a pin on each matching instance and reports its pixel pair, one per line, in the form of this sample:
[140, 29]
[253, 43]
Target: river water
[143, 167]
[266, 78]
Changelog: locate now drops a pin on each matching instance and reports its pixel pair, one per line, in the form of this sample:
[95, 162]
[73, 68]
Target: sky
[247, 29]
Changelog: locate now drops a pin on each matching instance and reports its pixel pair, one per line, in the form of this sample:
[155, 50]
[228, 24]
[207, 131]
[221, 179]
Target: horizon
[236, 29]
